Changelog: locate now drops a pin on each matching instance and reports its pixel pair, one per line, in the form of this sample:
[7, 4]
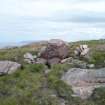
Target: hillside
[36, 84]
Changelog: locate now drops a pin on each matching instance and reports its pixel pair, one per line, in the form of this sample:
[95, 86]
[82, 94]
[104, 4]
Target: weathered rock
[90, 66]
[76, 62]
[84, 81]
[29, 58]
[82, 50]
[8, 67]
[54, 61]
[41, 61]
[54, 49]
[67, 60]
[43, 49]
[79, 63]
[28, 61]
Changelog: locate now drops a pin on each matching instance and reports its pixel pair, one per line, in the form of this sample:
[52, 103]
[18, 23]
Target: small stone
[90, 66]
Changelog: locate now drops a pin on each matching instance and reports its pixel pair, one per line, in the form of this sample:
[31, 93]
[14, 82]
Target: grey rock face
[29, 58]
[8, 67]
[55, 49]
[84, 81]
[54, 61]
[79, 63]
[41, 61]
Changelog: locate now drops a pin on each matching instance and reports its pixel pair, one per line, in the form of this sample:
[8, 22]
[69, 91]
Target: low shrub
[55, 82]
[98, 58]
[63, 90]
[35, 67]
[45, 97]
[98, 96]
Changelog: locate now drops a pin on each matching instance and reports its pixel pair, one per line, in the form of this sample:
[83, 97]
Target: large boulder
[8, 67]
[55, 49]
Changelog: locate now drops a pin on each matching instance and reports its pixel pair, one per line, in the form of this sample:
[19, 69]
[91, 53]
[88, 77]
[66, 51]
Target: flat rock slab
[84, 81]
[8, 67]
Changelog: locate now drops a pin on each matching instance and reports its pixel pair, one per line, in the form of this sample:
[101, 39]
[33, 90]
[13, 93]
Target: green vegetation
[98, 58]
[26, 87]
[15, 54]
[90, 42]
[20, 86]
[98, 96]
[97, 52]
[31, 86]
[55, 82]
[35, 68]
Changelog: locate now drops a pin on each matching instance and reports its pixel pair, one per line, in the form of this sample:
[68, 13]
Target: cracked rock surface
[84, 81]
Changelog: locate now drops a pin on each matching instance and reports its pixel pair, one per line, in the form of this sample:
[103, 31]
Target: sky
[33, 20]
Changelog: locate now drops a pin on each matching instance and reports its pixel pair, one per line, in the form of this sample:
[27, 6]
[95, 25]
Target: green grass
[98, 96]
[55, 82]
[26, 87]
[30, 85]
[15, 54]
[20, 86]
[98, 58]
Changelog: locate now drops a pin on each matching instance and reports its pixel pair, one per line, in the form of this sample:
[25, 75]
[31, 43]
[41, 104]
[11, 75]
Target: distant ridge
[40, 42]
[19, 44]
[10, 45]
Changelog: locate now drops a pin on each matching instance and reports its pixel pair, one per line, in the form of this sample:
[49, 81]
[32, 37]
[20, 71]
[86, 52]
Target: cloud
[19, 29]
[78, 16]
[44, 19]
[45, 8]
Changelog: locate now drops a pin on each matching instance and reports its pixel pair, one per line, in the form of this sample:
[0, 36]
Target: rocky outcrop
[55, 51]
[8, 67]
[82, 50]
[84, 81]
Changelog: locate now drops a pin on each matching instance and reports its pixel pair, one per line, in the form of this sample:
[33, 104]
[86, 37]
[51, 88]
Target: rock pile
[8, 67]
[57, 51]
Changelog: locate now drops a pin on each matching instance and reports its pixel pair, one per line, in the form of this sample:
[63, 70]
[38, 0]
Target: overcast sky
[70, 20]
